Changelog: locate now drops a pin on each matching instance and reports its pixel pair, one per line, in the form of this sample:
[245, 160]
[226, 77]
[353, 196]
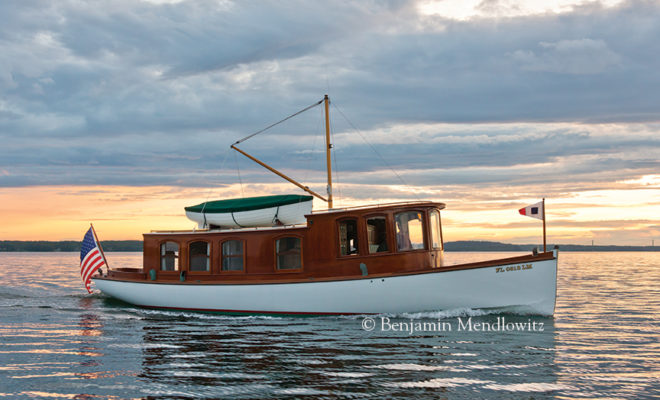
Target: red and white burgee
[534, 211]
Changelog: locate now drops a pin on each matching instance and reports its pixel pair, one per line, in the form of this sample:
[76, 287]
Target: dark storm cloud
[137, 93]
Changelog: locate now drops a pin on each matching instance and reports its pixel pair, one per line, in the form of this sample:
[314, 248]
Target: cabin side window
[169, 256]
[409, 231]
[289, 253]
[199, 256]
[348, 237]
[436, 233]
[232, 255]
[377, 234]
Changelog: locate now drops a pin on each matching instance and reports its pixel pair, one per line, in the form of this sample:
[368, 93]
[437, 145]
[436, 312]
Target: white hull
[290, 214]
[531, 291]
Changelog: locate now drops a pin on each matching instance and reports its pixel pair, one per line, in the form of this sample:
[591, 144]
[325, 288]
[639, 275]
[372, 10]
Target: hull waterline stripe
[251, 312]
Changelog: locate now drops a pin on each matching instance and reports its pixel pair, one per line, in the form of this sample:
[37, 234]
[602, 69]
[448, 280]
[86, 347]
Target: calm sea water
[58, 342]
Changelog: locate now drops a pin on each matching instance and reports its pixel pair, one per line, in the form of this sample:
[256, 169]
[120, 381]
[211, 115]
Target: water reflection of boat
[370, 259]
[218, 356]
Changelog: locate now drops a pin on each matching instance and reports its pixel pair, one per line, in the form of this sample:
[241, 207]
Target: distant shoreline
[474, 245]
[466, 245]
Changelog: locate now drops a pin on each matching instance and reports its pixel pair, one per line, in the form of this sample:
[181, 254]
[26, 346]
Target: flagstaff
[537, 211]
[543, 207]
[105, 260]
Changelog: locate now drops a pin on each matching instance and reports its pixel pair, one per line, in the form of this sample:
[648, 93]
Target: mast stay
[328, 146]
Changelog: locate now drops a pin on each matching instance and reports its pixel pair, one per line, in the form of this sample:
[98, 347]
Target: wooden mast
[328, 146]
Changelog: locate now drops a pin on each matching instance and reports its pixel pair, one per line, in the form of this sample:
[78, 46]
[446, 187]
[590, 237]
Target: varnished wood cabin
[346, 243]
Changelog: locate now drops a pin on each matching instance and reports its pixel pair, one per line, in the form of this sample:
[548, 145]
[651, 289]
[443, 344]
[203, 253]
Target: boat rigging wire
[280, 174]
[318, 133]
[238, 171]
[374, 149]
[208, 194]
[278, 122]
[334, 156]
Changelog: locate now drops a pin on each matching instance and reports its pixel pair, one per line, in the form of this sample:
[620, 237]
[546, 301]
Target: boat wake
[441, 314]
[199, 315]
[445, 314]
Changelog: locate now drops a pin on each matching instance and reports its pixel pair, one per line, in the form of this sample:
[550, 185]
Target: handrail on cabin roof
[383, 205]
[243, 229]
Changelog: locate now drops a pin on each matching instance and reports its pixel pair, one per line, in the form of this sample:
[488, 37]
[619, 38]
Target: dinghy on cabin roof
[289, 209]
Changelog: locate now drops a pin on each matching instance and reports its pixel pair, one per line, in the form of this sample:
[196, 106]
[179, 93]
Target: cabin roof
[400, 204]
[374, 207]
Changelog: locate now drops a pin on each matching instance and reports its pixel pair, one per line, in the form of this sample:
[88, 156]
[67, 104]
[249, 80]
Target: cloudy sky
[122, 112]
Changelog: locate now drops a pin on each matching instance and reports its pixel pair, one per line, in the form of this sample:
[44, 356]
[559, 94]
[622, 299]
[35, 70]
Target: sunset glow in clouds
[122, 113]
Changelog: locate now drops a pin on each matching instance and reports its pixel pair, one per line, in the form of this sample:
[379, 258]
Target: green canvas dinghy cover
[247, 204]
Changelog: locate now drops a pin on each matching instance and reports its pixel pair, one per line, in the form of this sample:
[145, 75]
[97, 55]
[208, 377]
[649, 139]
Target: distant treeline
[468, 245]
[68, 245]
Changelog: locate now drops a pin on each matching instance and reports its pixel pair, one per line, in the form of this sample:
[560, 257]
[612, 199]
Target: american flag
[91, 258]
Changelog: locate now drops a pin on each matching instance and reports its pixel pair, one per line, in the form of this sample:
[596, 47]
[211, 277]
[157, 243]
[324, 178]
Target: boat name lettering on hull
[511, 268]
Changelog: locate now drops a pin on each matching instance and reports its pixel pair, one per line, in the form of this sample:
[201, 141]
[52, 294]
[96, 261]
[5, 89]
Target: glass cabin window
[199, 256]
[377, 234]
[348, 237]
[288, 252]
[436, 233]
[409, 231]
[169, 256]
[232, 255]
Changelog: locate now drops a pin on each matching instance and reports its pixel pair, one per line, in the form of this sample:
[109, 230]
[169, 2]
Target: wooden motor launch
[274, 255]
